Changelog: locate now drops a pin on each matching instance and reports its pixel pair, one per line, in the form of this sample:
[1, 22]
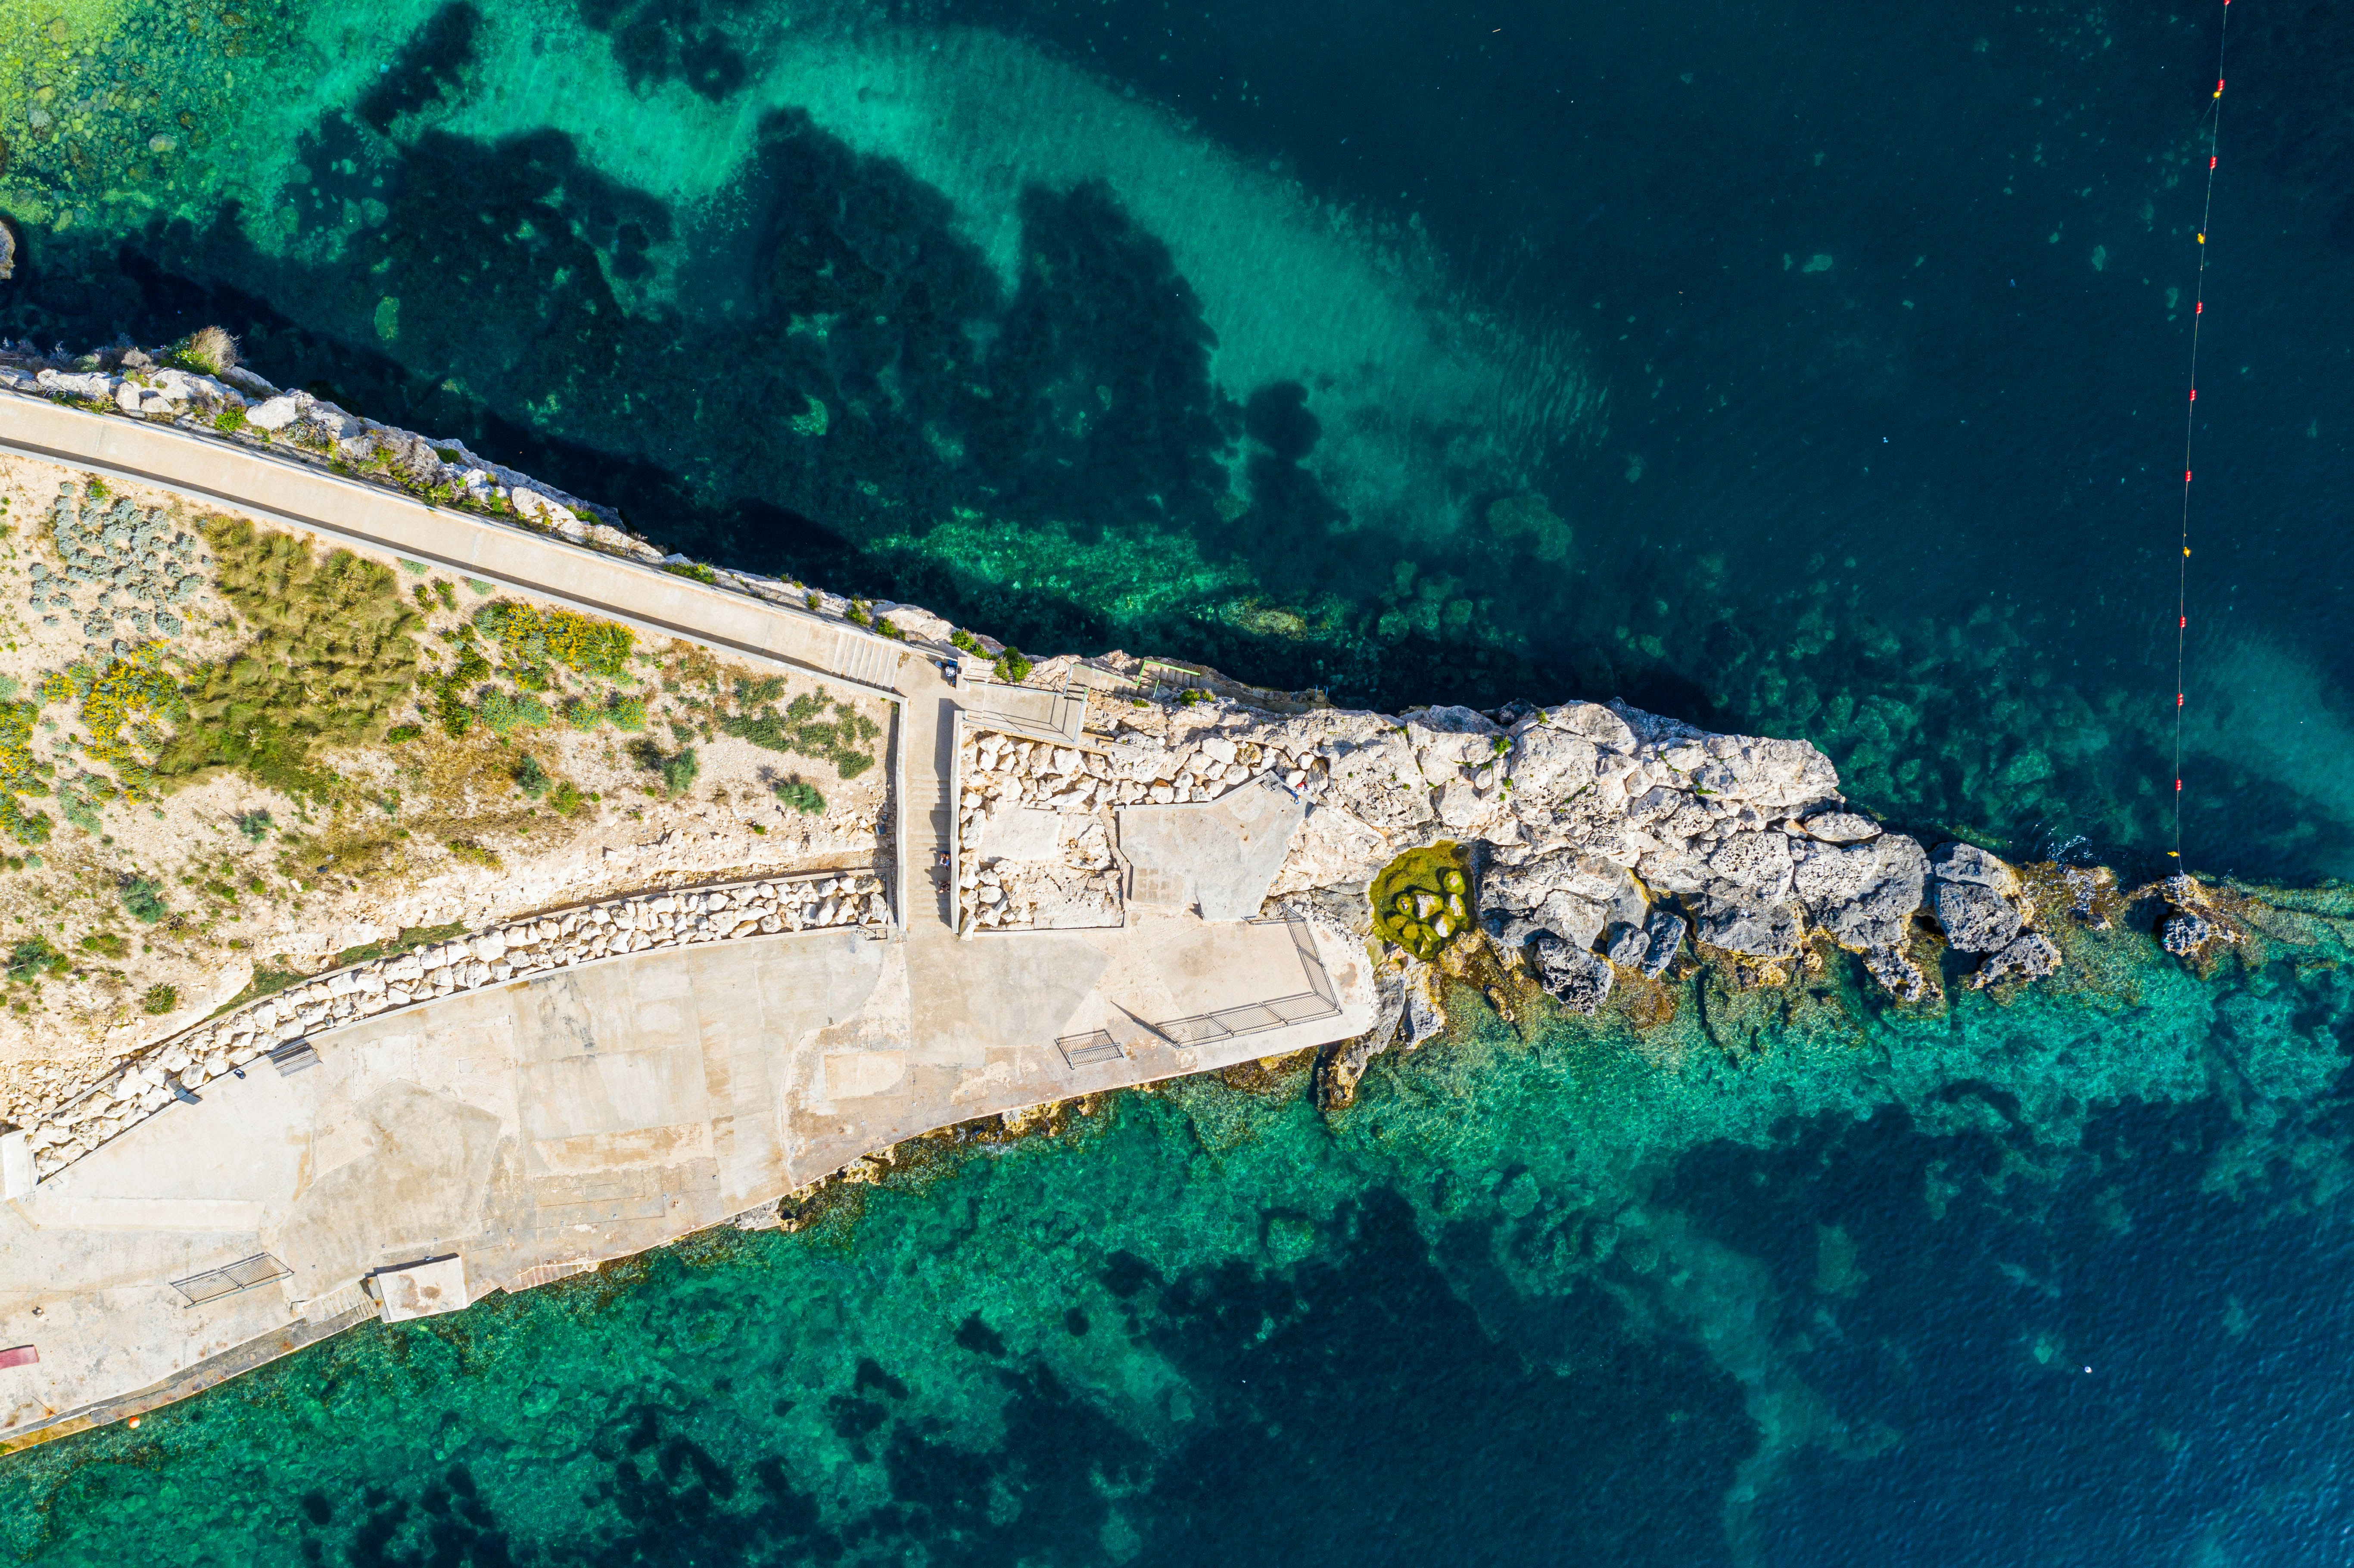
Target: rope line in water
[2190, 423]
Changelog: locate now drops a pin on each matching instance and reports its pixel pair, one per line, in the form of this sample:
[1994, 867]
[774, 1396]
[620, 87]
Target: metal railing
[1226, 1022]
[1320, 1000]
[243, 1275]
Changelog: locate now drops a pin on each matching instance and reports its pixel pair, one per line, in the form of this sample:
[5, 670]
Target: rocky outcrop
[2192, 928]
[1864, 889]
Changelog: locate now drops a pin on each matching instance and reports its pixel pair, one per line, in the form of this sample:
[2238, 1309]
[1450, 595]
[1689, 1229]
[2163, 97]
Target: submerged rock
[2185, 933]
[2028, 956]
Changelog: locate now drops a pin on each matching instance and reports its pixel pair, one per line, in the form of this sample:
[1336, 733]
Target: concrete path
[536, 1129]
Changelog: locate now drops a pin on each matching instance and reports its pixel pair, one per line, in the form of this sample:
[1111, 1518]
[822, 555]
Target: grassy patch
[267, 980]
[333, 650]
[105, 944]
[805, 729]
[411, 937]
[160, 999]
[473, 853]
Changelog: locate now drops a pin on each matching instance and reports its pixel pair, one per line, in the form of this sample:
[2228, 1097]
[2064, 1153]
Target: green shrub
[960, 637]
[255, 825]
[531, 778]
[677, 769]
[1013, 667]
[501, 712]
[33, 957]
[229, 420]
[482, 588]
[694, 571]
[528, 636]
[803, 798]
[106, 944]
[160, 999]
[626, 714]
[143, 896]
[565, 799]
[401, 733]
[26, 827]
[209, 351]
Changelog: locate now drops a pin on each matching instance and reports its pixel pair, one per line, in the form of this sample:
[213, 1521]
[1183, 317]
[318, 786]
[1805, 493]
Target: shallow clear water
[1816, 372]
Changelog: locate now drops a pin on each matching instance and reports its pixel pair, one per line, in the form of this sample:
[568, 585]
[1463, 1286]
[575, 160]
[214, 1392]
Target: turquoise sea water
[1817, 372]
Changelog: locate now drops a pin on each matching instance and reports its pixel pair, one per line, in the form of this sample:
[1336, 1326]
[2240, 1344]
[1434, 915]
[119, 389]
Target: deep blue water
[1814, 369]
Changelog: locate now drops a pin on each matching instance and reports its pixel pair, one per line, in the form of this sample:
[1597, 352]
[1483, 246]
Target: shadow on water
[832, 381]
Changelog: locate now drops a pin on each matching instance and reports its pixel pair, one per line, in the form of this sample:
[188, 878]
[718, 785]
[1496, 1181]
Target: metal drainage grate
[243, 1275]
[1086, 1050]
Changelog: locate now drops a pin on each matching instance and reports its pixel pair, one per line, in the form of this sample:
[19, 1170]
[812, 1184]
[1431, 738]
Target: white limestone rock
[1977, 898]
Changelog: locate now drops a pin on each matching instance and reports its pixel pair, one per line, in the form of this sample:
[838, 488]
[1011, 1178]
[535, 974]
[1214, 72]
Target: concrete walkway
[533, 1130]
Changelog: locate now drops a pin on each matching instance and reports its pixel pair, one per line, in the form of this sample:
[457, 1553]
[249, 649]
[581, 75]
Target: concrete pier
[504, 1138]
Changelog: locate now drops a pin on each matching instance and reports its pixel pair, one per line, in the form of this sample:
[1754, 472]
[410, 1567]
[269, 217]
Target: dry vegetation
[337, 755]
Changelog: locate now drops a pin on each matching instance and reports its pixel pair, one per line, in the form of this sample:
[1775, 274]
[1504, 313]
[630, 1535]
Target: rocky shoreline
[1580, 845]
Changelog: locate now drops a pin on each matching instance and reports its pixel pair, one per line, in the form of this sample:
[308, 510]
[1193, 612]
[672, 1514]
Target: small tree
[143, 896]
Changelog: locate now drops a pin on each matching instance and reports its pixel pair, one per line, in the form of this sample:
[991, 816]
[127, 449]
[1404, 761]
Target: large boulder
[1664, 933]
[1977, 919]
[1574, 977]
[1547, 761]
[1568, 893]
[1595, 723]
[1840, 827]
[1865, 893]
[1740, 922]
[1975, 897]
[2186, 933]
[1757, 862]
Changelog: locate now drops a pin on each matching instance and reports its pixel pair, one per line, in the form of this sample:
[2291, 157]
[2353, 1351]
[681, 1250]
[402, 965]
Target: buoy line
[2191, 421]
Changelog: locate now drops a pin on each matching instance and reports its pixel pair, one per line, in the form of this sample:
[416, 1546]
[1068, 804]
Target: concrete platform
[593, 1113]
[501, 1139]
